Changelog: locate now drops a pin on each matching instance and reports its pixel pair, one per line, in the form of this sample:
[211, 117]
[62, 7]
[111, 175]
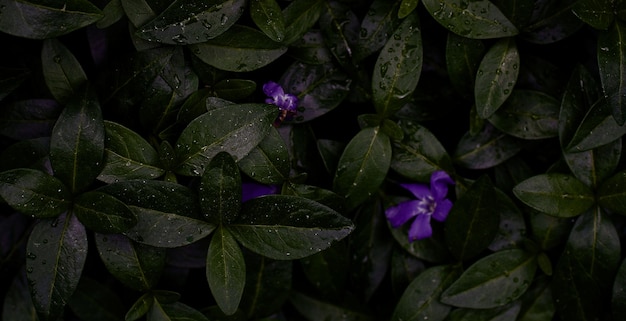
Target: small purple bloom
[278, 97]
[250, 190]
[429, 201]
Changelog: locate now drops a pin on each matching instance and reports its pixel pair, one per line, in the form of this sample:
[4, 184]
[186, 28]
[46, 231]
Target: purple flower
[429, 201]
[286, 103]
[251, 190]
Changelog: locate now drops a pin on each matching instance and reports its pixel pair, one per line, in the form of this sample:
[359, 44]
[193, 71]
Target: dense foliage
[282, 160]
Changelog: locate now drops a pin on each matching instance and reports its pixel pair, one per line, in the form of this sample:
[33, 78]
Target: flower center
[426, 205]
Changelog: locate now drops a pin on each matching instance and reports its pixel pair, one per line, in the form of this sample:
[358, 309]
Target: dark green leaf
[612, 66]
[32, 118]
[189, 22]
[128, 156]
[136, 265]
[93, 301]
[512, 231]
[268, 16]
[56, 253]
[239, 49]
[488, 148]
[40, 19]
[234, 129]
[404, 269]
[18, 305]
[555, 194]
[463, 56]
[362, 166]
[220, 190]
[328, 270]
[340, 29]
[61, 70]
[596, 13]
[398, 67]
[475, 19]
[518, 12]
[504, 313]
[419, 153]
[226, 270]
[177, 311]
[139, 12]
[420, 300]
[537, 303]
[268, 284]
[380, 22]
[234, 89]
[320, 88]
[594, 166]
[611, 194]
[311, 49]
[549, 231]
[77, 142]
[313, 309]
[34, 193]
[31, 153]
[300, 16]
[288, 227]
[497, 74]
[103, 213]
[406, 7]
[511, 173]
[11, 79]
[473, 221]
[619, 293]
[552, 21]
[140, 307]
[315, 193]
[495, 280]
[528, 114]
[268, 163]
[113, 12]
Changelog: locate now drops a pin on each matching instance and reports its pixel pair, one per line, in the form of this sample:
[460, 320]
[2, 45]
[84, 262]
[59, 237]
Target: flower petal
[442, 210]
[252, 190]
[439, 181]
[273, 90]
[418, 190]
[401, 213]
[420, 228]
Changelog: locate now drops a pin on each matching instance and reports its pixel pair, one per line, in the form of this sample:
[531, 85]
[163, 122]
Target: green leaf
[595, 165]
[537, 303]
[220, 190]
[34, 193]
[431, 249]
[177, 311]
[528, 114]
[504, 313]
[398, 67]
[269, 162]
[340, 30]
[406, 7]
[420, 300]
[239, 49]
[473, 221]
[234, 89]
[475, 19]
[103, 213]
[56, 252]
[40, 19]
[315, 193]
[11, 79]
[328, 270]
[493, 281]
[300, 16]
[268, 16]
[113, 12]
[596, 13]
[17, 304]
[285, 227]
[311, 49]
[30, 153]
[486, 149]
[612, 192]
[518, 12]
[136, 265]
[549, 231]
[77, 142]
[463, 56]
[618, 306]
[189, 22]
[512, 231]
[362, 166]
[62, 72]
[31, 118]
[93, 301]
[612, 66]
[419, 153]
[226, 270]
[313, 309]
[380, 21]
[497, 74]
[555, 194]
[552, 21]
[128, 156]
[320, 88]
[235, 129]
[268, 285]
[140, 307]
[139, 12]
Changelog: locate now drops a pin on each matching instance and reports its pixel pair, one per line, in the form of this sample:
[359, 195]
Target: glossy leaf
[314, 309]
[504, 313]
[320, 89]
[463, 56]
[220, 190]
[188, 22]
[179, 311]
[398, 67]
[596, 165]
[537, 302]
[136, 265]
[315, 193]
[528, 114]
[497, 74]
[611, 193]
[32, 118]
[472, 222]
[328, 270]
[362, 166]
[488, 148]
[268, 285]
[234, 89]
[475, 19]
[30, 153]
[420, 299]
[288, 227]
[406, 7]
[139, 12]
[77, 141]
[518, 12]
[239, 49]
[419, 153]
[268, 163]
[46, 19]
[93, 301]
[611, 63]
[56, 254]
[63, 73]
[493, 281]
[226, 270]
[596, 13]
[34, 193]
[235, 129]
[103, 213]
[340, 27]
[512, 231]
[380, 22]
[552, 21]
[268, 16]
[549, 231]
[127, 156]
[559, 195]
[300, 16]
[311, 49]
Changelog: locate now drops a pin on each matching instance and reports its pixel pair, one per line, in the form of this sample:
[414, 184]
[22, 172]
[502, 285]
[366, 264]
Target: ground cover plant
[312, 160]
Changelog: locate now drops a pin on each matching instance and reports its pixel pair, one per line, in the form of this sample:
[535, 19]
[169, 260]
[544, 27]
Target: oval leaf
[596, 13]
[612, 193]
[486, 149]
[267, 15]
[34, 193]
[463, 56]
[300, 16]
[103, 213]
[380, 21]
[268, 163]
[61, 70]
[555, 194]
[226, 271]
[220, 190]
[612, 67]
[528, 114]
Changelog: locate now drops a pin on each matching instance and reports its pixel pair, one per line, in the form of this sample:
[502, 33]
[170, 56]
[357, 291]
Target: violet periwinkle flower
[430, 201]
[286, 103]
[250, 190]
